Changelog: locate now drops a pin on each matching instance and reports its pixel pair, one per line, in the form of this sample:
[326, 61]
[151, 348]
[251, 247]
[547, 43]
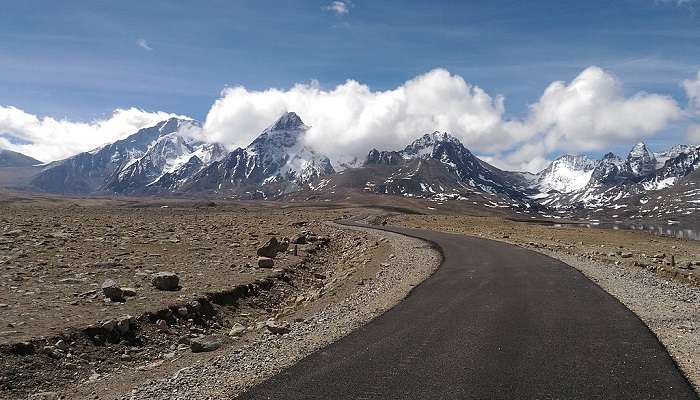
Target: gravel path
[228, 375]
[670, 309]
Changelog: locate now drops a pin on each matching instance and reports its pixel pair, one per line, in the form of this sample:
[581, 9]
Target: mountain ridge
[162, 159]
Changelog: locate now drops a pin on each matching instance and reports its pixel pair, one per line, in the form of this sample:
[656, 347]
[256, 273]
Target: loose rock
[237, 329]
[165, 281]
[112, 291]
[265, 262]
[204, 344]
[276, 328]
[270, 248]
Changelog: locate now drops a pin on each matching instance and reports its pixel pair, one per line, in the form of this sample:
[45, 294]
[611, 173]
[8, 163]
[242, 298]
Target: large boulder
[112, 291]
[270, 248]
[165, 281]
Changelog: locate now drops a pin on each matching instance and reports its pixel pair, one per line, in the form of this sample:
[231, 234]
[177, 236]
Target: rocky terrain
[100, 294]
[312, 328]
[175, 298]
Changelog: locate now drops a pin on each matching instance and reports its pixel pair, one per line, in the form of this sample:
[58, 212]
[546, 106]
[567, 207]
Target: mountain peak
[425, 144]
[288, 121]
[437, 137]
[566, 174]
[639, 148]
[173, 124]
[641, 160]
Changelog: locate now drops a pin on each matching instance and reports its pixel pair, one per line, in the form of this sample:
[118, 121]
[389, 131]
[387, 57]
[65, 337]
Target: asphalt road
[494, 322]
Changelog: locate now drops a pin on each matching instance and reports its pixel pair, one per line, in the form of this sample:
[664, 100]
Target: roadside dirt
[59, 331]
[62, 338]
[348, 305]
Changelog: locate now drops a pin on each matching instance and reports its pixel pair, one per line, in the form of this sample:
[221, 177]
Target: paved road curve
[494, 322]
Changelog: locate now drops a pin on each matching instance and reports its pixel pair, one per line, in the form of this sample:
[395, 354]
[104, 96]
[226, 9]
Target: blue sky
[83, 59]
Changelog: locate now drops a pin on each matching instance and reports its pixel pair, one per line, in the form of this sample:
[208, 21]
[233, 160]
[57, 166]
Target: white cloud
[589, 113]
[338, 7]
[692, 90]
[48, 139]
[694, 134]
[142, 43]
[351, 119]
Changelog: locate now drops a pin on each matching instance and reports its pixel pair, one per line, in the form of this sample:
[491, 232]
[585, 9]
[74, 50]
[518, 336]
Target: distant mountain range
[13, 159]
[163, 159]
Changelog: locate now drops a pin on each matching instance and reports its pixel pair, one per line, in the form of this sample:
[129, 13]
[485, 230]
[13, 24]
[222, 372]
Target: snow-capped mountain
[437, 165]
[641, 161]
[673, 152]
[277, 161]
[566, 174]
[614, 180]
[129, 164]
[164, 159]
[167, 155]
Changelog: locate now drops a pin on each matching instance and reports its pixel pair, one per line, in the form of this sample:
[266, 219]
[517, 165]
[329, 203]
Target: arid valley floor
[232, 321]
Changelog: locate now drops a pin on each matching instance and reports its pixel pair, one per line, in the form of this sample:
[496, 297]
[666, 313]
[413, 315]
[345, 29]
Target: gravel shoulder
[227, 375]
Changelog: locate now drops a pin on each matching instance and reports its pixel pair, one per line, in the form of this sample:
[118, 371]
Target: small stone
[283, 246]
[626, 255]
[265, 262]
[112, 291]
[204, 344]
[22, 348]
[162, 325]
[129, 292]
[299, 239]
[109, 326]
[269, 249]
[276, 328]
[44, 396]
[61, 344]
[124, 324]
[237, 329]
[165, 281]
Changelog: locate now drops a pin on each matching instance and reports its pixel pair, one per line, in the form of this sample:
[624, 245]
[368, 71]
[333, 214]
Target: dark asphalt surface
[494, 322]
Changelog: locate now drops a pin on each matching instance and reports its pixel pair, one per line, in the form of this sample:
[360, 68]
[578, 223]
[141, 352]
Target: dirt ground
[58, 328]
[55, 253]
[54, 258]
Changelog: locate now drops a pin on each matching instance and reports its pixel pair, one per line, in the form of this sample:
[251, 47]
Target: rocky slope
[438, 166]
